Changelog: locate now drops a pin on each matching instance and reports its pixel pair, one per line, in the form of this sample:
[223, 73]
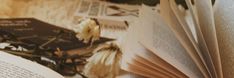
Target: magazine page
[16, 67]
[109, 15]
[223, 13]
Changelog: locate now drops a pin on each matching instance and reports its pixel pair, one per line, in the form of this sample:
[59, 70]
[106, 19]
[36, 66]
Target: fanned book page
[223, 13]
[194, 46]
[206, 21]
[153, 33]
[181, 32]
[200, 39]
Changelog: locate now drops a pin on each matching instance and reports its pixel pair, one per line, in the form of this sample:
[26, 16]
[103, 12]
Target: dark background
[148, 2]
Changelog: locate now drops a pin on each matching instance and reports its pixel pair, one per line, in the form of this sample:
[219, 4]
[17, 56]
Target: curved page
[16, 67]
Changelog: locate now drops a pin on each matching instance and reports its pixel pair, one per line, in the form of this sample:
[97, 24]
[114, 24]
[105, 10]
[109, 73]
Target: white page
[125, 74]
[224, 20]
[156, 67]
[140, 54]
[205, 17]
[154, 30]
[207, 60]
[16, 67]
[200, 39]
[130, 49]
[148, 57]
[186, 41]
[189, 19]
[133, 49]
[137, 63]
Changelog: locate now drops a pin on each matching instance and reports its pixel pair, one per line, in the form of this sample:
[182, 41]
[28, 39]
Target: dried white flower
[87, 30]
[105, 63]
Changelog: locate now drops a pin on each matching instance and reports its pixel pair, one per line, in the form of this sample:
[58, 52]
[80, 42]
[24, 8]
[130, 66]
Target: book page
[140, 61]
[205, 17]
[149, 58]
[170, 71]
[137, 64]
[180, 33]
[223, 13]
[16, 67]
[200, 39]
[146, 61]
[204, 56]
[125, 74]
[189, 19]
[134, 52]
[129, 48]
[154, 32]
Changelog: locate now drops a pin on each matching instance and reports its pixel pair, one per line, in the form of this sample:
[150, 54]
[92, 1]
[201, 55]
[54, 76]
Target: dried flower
[105, 63]
[87, 31]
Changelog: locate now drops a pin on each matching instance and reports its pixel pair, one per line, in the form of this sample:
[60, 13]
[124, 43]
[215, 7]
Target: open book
[174, 43]
[16, 67]
[169, 43]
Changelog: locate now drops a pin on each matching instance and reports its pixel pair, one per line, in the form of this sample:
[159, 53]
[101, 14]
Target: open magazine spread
[100, 39]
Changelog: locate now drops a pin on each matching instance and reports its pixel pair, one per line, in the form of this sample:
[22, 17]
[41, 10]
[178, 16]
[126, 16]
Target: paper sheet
[204, 52]
[207, 24]
[153, 31]
[224, 21]
[176, 26]
[17, 67]
[159, 63]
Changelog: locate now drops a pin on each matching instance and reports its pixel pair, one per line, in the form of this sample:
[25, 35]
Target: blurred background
[148, 2]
